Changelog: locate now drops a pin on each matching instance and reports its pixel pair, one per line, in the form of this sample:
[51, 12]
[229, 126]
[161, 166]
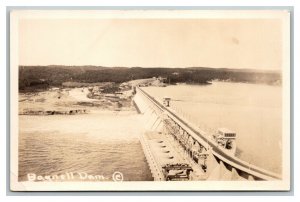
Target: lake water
[253, 111]
[103, 142]
[99, 143]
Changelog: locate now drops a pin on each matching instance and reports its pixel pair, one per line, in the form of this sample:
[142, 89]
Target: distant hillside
[55, 75]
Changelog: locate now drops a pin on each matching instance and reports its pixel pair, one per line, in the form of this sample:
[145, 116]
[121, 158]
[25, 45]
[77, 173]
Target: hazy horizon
[101, 66]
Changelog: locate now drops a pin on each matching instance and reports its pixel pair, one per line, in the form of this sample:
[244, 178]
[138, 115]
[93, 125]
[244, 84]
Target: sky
[217, 43]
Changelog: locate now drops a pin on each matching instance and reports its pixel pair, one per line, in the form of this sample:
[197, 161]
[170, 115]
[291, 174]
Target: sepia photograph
[150, 100]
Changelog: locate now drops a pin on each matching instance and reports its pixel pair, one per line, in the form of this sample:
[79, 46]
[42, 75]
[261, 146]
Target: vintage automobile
[177, 172]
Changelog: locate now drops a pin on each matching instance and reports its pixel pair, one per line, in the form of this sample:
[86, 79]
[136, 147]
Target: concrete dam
[176, 149]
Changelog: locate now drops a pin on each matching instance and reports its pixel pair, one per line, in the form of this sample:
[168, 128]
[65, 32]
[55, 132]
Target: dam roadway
[243, 168]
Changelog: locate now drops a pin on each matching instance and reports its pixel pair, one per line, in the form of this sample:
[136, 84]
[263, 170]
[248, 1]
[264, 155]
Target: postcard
[150, 100]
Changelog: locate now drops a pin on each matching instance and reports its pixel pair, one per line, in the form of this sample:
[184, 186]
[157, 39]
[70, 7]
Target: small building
[226, 133]
[166, 101]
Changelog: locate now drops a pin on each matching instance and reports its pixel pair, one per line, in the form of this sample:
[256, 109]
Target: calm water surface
[253, 111]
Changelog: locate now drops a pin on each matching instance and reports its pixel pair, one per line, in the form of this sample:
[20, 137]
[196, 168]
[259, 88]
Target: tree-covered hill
[55, 75]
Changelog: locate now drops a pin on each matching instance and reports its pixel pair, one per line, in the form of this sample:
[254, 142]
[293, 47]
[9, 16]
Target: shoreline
[67, 101]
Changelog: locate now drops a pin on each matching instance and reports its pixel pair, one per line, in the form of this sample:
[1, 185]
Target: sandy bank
[68, 101]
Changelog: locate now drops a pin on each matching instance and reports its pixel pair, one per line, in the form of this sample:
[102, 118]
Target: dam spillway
[174, 142]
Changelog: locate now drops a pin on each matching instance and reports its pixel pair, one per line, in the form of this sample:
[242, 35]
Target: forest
[41, 77]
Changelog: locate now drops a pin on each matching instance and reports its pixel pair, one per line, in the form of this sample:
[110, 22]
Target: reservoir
[253, 111]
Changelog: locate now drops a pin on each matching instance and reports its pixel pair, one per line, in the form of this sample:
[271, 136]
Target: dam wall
[189, 144]
[152, 116]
